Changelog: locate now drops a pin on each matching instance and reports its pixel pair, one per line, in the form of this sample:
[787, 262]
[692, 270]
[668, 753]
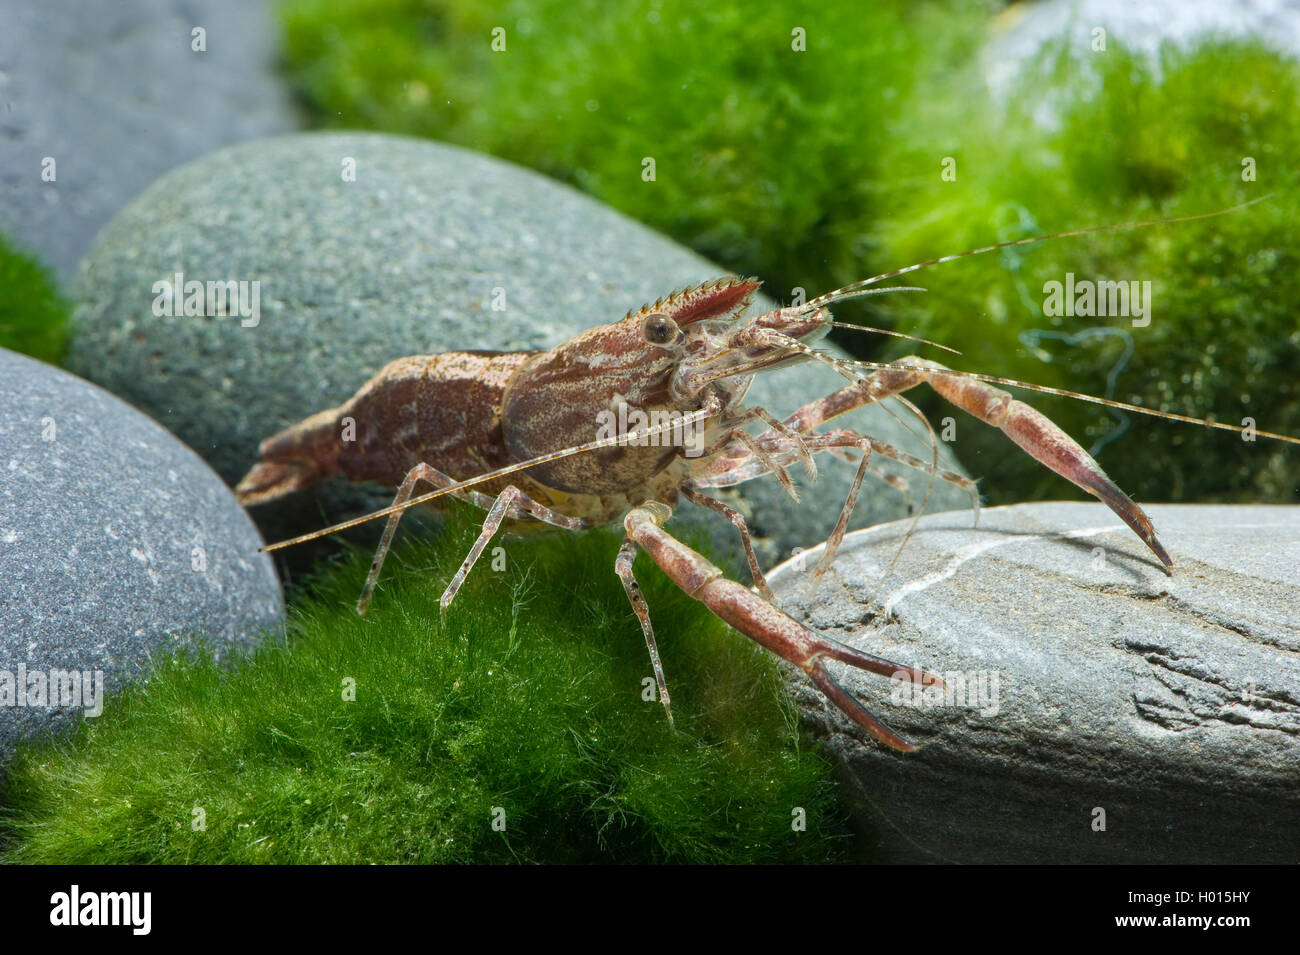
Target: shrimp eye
[659, 329]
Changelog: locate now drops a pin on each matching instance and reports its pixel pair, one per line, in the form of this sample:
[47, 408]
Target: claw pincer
[765, 624]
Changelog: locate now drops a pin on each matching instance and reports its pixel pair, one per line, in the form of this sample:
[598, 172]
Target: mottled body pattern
[444, 410]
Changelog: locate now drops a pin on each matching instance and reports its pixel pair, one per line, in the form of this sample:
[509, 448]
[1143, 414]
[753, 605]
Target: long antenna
[885, 331]
[863, 293]
[854, 289]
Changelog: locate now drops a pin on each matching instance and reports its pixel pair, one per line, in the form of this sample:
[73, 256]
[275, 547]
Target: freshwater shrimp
[544, 436]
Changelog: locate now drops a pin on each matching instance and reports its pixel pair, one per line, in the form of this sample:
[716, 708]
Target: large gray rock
[1170, 703]
[115, 541]
[115, 95]
[402, 261]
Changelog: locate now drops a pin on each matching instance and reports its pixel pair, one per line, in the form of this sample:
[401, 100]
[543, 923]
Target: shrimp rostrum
[622, 420]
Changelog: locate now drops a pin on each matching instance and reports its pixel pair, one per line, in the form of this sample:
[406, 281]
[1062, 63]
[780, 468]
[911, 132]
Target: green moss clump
[1134, 142]
[528, 697]
[33, 313]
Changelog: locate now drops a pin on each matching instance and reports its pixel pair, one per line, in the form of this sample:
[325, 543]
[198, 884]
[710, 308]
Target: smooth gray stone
[403, 261]
[114, 93]
[1173, 703]
[115, 541]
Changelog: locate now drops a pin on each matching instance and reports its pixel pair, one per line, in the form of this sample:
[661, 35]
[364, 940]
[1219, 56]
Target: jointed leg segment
[623, 567]
[511, 502]
[738, 519]
[762, 622]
